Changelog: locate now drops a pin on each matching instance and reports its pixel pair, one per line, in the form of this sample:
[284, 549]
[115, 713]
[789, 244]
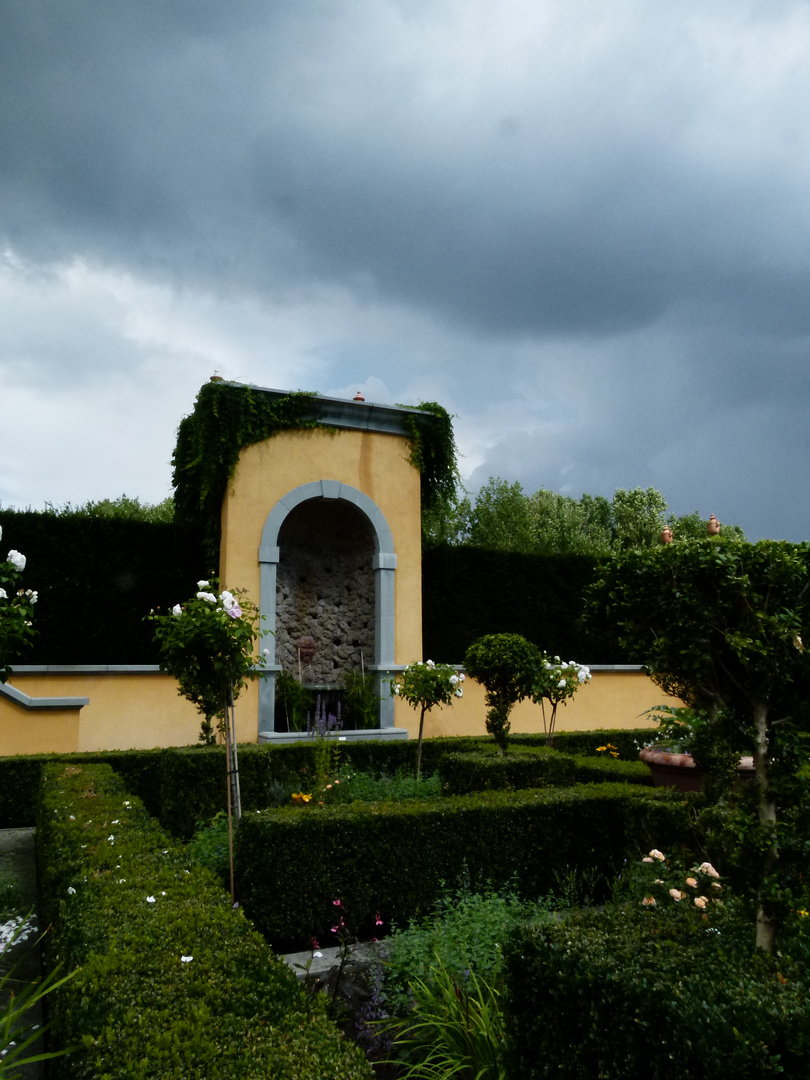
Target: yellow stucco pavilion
[354, 470]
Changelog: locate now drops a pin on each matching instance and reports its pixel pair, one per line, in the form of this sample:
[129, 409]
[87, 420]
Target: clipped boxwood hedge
[627, 741]
[397, 858]
[181, 786]
[533, 767]
[172, 983]
[626, 993]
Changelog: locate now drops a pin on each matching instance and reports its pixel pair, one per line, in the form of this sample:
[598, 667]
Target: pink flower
[691, 882]
[648, 901]
[337, 903]
[377, 920]
[701, 901]
[676, 894]
[708, 869]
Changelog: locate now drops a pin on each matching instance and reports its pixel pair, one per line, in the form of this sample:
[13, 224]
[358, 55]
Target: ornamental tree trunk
[766, 808]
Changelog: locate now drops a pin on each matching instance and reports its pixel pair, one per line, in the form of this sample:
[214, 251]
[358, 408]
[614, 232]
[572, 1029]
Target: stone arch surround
[384, 564]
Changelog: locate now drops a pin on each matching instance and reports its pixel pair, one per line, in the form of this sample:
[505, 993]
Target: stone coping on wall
[151, 669]
[86, 669]
[355, 415]
[25, 701]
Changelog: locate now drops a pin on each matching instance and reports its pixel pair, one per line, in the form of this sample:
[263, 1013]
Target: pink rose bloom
[676, 894]
[701, 901]
[691, 882]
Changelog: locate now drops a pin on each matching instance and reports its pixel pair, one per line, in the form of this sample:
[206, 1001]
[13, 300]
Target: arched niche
[306, 513]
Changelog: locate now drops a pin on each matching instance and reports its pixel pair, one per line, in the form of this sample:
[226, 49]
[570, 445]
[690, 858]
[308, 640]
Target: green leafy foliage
[461, 774]
[506, 665]
[227, 417]
[629, 992]
[208, 644]
[120, 568]
[454, 1029]
[504, 518]
[424, 685]
[123, 508]
[355, 851]
[720, 624]
[555, 682]
[16, 611]
[173, 981]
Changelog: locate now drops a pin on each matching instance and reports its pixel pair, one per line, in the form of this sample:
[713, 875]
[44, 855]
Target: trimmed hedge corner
[397, 858]
[533, 767]
[625, 993]
[172, 983]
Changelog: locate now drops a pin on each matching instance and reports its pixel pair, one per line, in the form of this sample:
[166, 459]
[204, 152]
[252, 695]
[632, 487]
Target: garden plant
[16, 611]
[507, 666]
[424, 685]
[720, 625]
[556, 682]
[208, 644]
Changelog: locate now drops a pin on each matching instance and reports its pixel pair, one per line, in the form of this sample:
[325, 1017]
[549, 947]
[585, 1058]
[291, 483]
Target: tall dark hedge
[468, 592]
[96, 580]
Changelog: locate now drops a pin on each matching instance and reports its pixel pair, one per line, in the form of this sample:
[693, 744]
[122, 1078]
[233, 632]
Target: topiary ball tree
[507, 666]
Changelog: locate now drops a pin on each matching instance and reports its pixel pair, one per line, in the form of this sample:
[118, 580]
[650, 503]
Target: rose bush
[16, 611]
[424, 685]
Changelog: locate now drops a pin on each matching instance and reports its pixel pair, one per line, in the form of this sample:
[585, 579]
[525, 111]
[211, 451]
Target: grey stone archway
[384, 567]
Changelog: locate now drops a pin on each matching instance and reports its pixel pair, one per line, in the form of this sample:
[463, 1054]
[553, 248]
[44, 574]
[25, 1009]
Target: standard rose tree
[16, 611]
[424, 686]
[556, 682]
[209, 645]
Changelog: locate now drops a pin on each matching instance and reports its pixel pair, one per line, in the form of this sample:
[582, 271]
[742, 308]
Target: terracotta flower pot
[679, 770]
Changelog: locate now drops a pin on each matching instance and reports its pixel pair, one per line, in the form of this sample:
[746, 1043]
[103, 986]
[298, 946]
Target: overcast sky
[584, 228]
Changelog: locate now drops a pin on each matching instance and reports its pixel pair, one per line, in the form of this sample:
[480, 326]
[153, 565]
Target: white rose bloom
[461, 678]
[430, 664]
[561, 685]
[16, 559]
[454, 680]
[177, 610]
[3, 594]
[203, 584]
[1, 532]
[207, 596]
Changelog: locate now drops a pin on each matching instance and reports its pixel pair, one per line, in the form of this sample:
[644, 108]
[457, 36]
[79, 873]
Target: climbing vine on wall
[433, 452]
[228, 417]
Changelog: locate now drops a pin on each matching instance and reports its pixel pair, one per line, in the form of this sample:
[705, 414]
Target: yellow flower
[301, 797]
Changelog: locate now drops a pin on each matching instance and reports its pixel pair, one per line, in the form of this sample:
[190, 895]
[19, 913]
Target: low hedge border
[533, 767]
[172, 983]
[627, 993]
[181, 786]
[399, 858]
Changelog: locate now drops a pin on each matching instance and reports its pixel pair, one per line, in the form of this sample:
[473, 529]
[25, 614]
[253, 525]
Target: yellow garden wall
[374, 463]
[141, 709]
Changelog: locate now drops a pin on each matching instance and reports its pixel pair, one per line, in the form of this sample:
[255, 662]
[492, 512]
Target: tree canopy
[502, 517]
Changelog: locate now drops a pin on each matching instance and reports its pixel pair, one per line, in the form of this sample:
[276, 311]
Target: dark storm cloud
[601, 212]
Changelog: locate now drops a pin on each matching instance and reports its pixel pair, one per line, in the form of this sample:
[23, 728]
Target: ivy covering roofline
[228, 417]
